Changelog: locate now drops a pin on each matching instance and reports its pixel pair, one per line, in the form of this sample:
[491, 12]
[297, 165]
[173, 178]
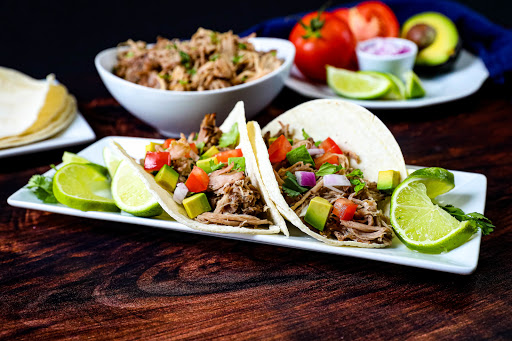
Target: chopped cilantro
[305, 135]
[213, 37]
[356, 173]
[215, 167]
[242, 46]
[129, 54]
[229, 138]
[328, 168]
[477, 220]
[244, 78]
[356, 180]
[183, 81]
[274, 53]
[165, 76]
[291, 186]
[214, 57]
[199, 145]
[237, 58]
[185, 59]
[42, 187]
[192, 71]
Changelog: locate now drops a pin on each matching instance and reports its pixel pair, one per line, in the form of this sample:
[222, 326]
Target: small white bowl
[172, 112]
[395, 64]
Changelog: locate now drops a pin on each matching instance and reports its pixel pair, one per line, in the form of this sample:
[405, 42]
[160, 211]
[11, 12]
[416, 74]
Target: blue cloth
[491, 42]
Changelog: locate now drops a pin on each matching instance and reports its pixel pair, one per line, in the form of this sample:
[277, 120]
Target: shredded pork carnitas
[209, 60]
[369, 224]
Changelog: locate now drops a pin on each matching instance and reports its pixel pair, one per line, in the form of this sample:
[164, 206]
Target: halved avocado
[437, 39]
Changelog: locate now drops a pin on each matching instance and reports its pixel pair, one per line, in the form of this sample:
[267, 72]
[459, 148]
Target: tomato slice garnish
[330, 146]
[167, 143]
[327, 157]
[224, 156]
[197, 180]
[156, 160]
[372, 19]
[278, 149]
[344, 209]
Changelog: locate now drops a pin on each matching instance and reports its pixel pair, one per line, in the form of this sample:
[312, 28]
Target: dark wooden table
[70, 278]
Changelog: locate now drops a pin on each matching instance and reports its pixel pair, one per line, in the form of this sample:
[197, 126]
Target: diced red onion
[316, 151]
[336, 180]
[180, 193]
[385, 47]
[306, 179]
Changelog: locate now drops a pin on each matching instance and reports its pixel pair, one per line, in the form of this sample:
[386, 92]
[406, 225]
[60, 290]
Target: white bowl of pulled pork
[173, 83]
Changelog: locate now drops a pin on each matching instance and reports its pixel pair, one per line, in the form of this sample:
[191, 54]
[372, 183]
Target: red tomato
[344, 209]
[330, 146]
[372, 19]
[342, 13]
[224, 156]
[156, 160]
[194, 148]
[278, 149]
[197, 180]
[322, 39]
[327, 157]
[167, 143]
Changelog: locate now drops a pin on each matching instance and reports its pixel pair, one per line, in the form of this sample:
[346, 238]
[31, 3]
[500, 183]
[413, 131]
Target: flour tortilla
[177, 211]
[58, 123]
[352, 127]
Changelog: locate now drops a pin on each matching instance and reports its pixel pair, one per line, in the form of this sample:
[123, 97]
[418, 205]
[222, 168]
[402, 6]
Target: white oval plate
[466, 78]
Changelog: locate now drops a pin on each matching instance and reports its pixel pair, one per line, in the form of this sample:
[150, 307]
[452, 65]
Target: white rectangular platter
[469, 194]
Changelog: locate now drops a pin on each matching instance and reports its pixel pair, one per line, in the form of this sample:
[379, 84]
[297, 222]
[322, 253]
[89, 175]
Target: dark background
[62, 37]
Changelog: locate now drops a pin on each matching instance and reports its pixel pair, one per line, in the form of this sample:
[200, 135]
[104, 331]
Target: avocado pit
[422, 35]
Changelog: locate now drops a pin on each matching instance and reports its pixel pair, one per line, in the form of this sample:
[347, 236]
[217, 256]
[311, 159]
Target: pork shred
[209, 60]
[209, 133]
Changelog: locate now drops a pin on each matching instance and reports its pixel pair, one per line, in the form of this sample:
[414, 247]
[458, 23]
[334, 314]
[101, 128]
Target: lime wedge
[357, 85]
[69, 157]
[397, 89]
[131, 194]
[413, 86]
[84, 187]
[419, 223]
[111, 160]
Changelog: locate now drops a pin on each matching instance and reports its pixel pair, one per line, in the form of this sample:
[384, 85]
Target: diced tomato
[330, 146]
[156, 160]
[224, 156]
[194, 148]
[344, 209]
[167, 143]
[197, 180]
[278, 149]
[327, 157]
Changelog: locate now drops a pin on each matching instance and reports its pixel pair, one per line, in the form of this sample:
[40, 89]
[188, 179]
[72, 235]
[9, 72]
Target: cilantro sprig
[291, 186]
[42, 187]
[328, 168]
[215, 167]
[356, 179]
[477, 220]
[229, 138]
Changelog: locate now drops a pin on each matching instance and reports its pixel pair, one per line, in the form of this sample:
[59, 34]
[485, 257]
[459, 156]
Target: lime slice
[419, 223]
[111, 160]
[413, 86]
[131, 194]
[84, 187]
[437, 180]
[69, 157]
[357, 85]
[397, 89]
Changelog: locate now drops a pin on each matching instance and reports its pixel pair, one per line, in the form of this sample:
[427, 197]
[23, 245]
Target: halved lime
[111, 160]
[84, 187]
[357, 85]
[437, 180]
[413, 86]
[419, 223]
[131, 194]
[397, 89]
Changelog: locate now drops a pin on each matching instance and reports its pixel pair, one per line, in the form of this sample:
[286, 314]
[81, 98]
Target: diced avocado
[318, 212]
[388, 180]
[239, 163]
[167, 178]
[273, 139]
[196, 204]
[206, 165]
[210, 152]
[151, 147]
[299, 154]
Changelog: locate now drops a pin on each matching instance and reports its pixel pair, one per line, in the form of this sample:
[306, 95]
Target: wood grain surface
[70, 278]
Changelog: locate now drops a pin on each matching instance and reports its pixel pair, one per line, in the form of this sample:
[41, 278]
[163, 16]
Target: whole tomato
[322, 39]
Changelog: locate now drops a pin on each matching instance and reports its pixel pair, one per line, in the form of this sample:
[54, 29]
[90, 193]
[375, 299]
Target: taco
[321, 162]
[210, 181]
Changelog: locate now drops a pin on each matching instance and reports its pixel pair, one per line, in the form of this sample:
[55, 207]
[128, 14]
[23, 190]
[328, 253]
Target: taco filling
[330, 197]
[205, 172]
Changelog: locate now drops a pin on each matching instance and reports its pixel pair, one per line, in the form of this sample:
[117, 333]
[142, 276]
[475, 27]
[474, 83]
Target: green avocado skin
[440, 56]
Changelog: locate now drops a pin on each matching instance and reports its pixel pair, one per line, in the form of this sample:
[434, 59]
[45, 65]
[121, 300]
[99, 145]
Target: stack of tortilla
[32, 110]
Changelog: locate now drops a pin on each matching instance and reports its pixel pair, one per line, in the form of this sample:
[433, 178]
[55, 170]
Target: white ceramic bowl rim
[288, 60]
[413, 49]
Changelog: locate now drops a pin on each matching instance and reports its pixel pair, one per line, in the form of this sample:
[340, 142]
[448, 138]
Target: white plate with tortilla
[469, 194]
[78, 132]
[467, 76]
